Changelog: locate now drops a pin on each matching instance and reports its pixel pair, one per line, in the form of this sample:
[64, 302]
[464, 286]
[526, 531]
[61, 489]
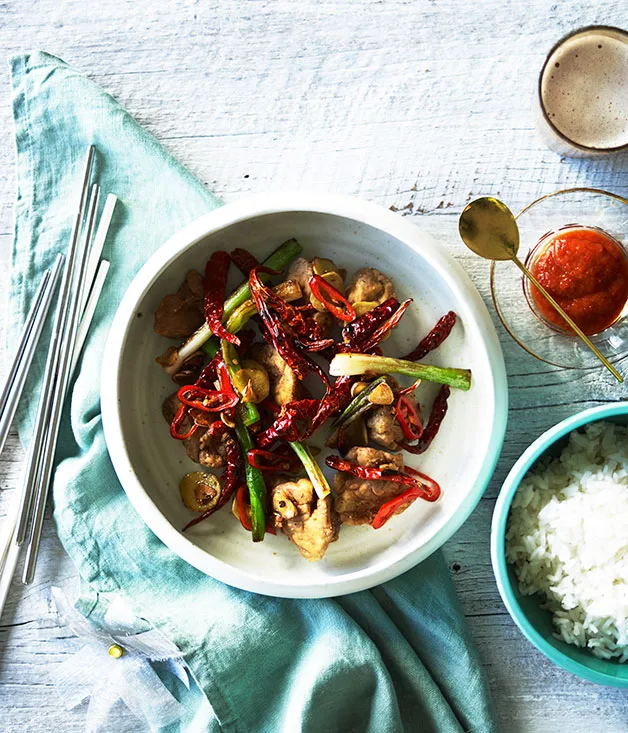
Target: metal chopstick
[88, 312]
[19, 355]
[71, 323]
[26, 349]
[9, 549]
[98, 244]
[44, 408]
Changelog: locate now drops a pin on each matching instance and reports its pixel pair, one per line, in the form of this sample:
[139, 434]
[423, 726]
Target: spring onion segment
[347, 365]
[254, 481]
[359, 403]
[313, 470]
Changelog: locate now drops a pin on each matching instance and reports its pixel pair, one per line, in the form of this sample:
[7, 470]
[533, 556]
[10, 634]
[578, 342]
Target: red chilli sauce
[586, 271]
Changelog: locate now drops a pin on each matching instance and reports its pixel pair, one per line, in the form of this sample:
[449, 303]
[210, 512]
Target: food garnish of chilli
[241, 405]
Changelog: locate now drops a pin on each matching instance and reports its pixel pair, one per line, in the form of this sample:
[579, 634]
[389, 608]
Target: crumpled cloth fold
[398, 657]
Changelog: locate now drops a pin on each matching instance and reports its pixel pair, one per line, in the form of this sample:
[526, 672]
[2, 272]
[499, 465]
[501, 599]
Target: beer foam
[584, 89]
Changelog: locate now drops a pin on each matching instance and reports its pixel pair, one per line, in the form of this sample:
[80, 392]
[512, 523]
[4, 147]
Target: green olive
[252, 381]
[200, 491]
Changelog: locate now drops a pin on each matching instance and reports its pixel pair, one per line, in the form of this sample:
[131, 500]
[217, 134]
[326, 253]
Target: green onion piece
[211, 347]
[313, 470]
[240, 316]
[351, 364]
[254, 481]
[248, 410]
[358, 403]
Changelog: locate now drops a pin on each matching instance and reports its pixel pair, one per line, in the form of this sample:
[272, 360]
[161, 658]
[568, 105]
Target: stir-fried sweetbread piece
[382, 425]
[383, 428]
[285, 386]
[179, 315]
[358, 500]
[308, 521]
[302, 270]
[369, 288]
[201, 446]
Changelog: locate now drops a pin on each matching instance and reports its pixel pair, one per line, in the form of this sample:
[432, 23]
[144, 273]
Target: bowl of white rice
[559, 544]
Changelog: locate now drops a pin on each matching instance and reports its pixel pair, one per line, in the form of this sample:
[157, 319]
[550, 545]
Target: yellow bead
[115, 651]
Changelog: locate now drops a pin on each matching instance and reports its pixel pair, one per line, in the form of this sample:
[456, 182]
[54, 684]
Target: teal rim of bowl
[498, 539]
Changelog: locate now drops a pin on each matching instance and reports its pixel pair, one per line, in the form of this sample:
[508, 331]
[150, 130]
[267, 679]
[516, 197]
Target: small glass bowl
[566, 209]
[539, 249]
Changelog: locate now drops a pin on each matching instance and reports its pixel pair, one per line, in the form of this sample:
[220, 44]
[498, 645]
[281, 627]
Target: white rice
[568, 539]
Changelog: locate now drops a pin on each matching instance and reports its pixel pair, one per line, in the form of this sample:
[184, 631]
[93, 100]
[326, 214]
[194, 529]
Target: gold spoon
[488, 228]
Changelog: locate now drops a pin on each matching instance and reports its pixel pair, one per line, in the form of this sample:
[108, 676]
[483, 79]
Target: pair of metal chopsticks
[81, 285]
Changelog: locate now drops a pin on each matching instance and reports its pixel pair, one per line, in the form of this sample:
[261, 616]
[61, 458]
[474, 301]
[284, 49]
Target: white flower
[99, 672]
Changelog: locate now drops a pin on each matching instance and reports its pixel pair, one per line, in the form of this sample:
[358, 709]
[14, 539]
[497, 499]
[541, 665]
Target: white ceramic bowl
[354, 233]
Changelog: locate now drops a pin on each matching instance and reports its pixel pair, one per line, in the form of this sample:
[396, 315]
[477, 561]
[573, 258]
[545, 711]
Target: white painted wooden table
[418, 105]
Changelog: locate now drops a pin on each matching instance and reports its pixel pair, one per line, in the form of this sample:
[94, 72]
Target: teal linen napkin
[395, 658]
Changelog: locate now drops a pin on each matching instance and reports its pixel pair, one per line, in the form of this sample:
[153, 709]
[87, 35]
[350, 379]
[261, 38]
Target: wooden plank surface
[417, 105]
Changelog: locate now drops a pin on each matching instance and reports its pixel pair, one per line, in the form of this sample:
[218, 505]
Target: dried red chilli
[286, 425]
[289, 352]
[384, 328]
[272, 332]
[207, 400]
[230, 478]
[270, 406]
[216, 272]
[438, 412]
[314, 344]
[278, 333]
[272, 461]
[434, 338]
[209, 373]
[243, 260]
[292, 317]
[334, 400]
[246, 336]
[408, 418]
[334, 301]
[367, 474]
[356, 332]
[286, 311]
